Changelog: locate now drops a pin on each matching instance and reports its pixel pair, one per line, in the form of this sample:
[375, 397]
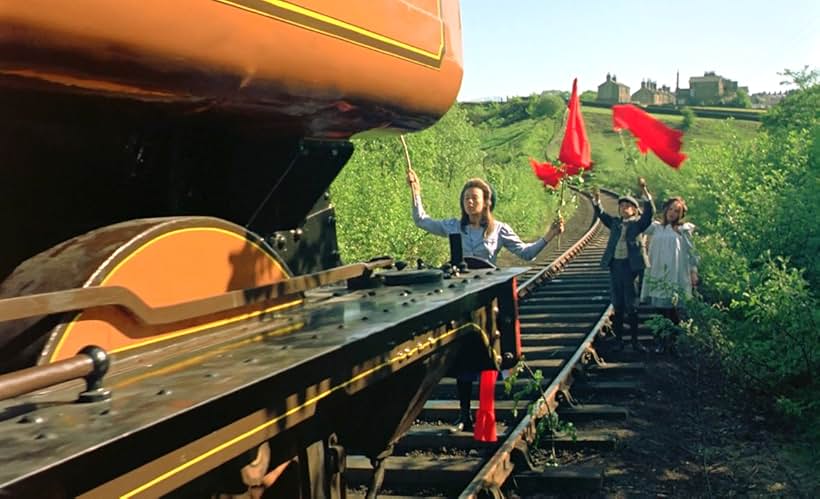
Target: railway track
[564, 308]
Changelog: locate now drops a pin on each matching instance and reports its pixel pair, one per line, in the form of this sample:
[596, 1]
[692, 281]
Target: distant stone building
[650, 95]
[682, 96]
[766, 99]
[711, 89]
[612, 92]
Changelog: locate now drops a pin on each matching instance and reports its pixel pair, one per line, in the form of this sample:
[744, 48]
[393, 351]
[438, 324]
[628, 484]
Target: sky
[519, 47]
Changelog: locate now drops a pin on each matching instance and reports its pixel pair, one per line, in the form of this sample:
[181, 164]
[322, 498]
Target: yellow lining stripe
[199, 359]
[296, 9]
[208, 325]
[192, 329]
[397, 358]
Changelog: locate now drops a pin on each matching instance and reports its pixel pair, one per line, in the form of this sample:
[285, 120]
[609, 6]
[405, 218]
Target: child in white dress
[673, 270]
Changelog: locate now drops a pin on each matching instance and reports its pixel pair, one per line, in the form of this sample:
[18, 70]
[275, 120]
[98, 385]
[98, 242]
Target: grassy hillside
[512, 144]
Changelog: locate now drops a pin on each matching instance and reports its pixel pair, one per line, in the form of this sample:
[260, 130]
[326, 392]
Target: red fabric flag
[570, 170]
[484, 430]
[548, 173]
[575, 149]
[650, 133]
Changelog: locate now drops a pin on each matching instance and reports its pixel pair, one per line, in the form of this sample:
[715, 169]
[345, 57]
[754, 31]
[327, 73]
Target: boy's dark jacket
[636, 252]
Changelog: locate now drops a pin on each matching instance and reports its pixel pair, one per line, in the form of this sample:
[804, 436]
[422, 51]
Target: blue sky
[523, 46]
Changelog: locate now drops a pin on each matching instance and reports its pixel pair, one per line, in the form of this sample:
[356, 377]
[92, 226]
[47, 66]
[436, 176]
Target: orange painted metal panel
[173, 267]
[289, 58]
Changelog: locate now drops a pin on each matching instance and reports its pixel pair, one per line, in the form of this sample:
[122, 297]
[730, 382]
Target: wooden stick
[406, 153]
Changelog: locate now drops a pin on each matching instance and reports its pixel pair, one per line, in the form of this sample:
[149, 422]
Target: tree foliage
[799, 110]
[589, 96]
[688, 118]
[545, 105]
[741, 99]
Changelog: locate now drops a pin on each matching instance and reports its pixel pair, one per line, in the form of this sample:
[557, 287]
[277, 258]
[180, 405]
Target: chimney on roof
[614, 78]
[608, 77]
[677, 80]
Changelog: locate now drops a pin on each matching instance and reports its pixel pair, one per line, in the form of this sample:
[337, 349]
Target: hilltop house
[612, 92]
[650, 95]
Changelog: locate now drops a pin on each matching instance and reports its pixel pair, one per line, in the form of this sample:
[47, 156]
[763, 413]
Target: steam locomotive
[175, 317]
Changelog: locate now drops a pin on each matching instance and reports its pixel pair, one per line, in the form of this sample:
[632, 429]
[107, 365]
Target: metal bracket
[94, 391]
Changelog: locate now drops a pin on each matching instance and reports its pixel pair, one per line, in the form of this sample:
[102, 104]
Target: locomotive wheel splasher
[163, 261]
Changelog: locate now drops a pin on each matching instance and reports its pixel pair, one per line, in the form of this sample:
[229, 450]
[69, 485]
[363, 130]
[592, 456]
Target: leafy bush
[688, 118]
[545, 106]
[757, 202]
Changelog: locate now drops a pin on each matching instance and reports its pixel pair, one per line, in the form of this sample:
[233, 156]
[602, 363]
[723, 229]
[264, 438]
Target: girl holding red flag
[625, 257]
[482, 236]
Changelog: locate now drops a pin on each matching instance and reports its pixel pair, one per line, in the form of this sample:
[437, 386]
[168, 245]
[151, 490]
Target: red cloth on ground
[484, 430]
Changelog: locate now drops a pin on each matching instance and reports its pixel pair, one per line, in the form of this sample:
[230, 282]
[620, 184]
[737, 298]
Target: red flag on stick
[484, 430]
[547, 172]
[575, 149]
[650, 133]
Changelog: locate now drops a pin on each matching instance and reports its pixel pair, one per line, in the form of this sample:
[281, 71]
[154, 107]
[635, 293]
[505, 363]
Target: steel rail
[496, 471]
[559, 263]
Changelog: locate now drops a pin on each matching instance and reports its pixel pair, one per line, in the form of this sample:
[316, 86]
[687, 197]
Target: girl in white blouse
[482, 235]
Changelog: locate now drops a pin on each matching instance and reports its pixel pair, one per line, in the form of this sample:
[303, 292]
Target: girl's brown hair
[669, 202]
[487, 220]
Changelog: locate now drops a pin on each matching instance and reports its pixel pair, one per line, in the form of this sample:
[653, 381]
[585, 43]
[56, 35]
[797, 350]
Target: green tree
[799, 110]
[589, 96]
[545, 106]
[688, 118]
[741, 99]
[803, 78]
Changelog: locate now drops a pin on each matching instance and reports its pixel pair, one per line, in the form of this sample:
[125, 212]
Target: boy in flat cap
[626, 258]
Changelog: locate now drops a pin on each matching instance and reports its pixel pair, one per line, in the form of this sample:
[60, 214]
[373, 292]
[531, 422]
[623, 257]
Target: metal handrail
[91, 363]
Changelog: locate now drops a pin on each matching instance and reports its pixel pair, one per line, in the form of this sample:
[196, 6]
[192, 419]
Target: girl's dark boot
[618, 329]
[465, 419]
